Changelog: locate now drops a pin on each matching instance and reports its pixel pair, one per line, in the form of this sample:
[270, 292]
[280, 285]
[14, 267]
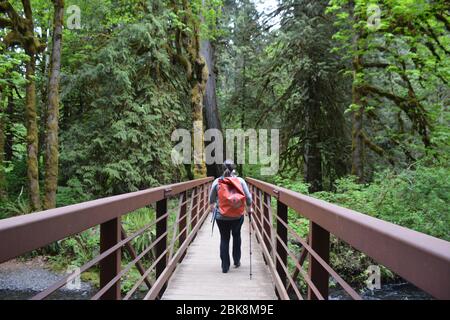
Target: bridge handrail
[421, 259]
[19, 235]
[35, 230]
[418, 258]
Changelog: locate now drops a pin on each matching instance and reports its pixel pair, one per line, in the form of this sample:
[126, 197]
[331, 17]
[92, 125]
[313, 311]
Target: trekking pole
[213, 220]
[250, 239]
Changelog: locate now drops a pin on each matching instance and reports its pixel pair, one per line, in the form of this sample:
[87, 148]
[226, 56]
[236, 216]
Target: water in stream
[394, 291]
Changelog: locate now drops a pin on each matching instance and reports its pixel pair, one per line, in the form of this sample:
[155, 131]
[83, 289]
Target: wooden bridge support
[194, 207]
[110, 235]
[258, 210]
[183, 220]
[282, 213]
[161, 246]
[319, 240]
[267, 222]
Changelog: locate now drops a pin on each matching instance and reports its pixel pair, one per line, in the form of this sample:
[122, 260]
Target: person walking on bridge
[228, 197]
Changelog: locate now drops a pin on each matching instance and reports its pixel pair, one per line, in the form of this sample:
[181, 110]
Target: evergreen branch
[16, 21]
[377, 149]
[436, 38]
[5, 23]
[380, 65]
[412, 107]
[444, 20]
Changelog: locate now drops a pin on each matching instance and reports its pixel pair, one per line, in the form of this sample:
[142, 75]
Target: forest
[91, 91]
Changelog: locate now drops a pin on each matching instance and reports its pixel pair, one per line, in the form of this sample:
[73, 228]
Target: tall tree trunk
[2, 153]
[358, 103]
[240, 166]
[8, 128]
[212, 115]
[198, 85]
[32, 135]
[313, 154]
[51, 139]
[197, 75]
[44, 66]
[30, 112]
[23, 33]
[358, 145]
[197, 95]
[357, 124]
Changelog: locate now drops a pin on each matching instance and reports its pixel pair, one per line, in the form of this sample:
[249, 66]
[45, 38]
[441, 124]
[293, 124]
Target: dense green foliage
[416, 199]
[131, 102]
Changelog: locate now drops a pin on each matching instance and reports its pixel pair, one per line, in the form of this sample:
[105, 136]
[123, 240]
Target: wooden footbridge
[182, 261]
[199, 277]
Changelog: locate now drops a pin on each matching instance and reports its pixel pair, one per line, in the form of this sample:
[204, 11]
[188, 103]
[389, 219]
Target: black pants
[227, 227]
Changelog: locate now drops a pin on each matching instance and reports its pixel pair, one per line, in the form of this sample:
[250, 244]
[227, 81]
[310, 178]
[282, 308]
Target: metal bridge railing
[19, 235]
[418, 258]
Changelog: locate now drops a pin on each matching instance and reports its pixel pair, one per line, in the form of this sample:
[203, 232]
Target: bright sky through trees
[266, 5]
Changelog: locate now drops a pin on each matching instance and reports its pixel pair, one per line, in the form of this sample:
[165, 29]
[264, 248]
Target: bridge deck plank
[199, 276]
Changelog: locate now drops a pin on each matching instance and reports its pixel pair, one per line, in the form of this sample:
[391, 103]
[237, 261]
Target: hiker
[228, 197]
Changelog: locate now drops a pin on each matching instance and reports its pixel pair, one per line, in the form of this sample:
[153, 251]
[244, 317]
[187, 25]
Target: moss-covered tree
[22, 33]
[51, 140]
[399, 58]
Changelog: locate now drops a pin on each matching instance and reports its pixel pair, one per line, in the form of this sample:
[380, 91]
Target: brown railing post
[252, 192]
[194, 208]
[319, 240]
[110, 235]
[161, 228]
[202, 202]
[282, 213]
[207, 190]
[183, 220]
[266, 221]
[258, 211]
[255, 207]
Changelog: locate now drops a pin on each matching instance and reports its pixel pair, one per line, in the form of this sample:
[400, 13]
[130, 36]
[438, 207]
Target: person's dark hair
[228, 167]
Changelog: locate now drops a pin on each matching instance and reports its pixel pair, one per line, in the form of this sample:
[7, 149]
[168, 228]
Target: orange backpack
[231, 197]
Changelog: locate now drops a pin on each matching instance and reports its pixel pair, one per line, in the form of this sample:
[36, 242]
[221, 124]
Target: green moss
[92, 276]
